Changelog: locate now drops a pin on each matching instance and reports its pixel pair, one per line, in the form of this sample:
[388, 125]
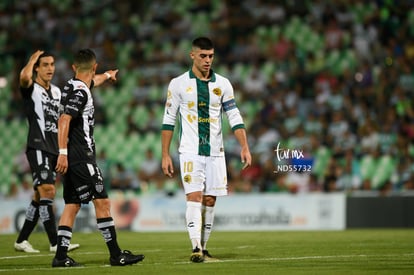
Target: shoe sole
[196, 258]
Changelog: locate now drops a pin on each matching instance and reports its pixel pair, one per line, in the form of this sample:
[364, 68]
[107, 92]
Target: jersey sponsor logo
[202, 104]
[84, 197]
[207, 120]
[191, 118]
[81, 188]
[51, 109]
[217, 91]
[75, 100]
[72, 107]
[50, 127]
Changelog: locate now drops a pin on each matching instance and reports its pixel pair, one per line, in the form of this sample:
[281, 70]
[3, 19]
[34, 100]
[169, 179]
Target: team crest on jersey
[169, 94]
[217, 91]
[190, 104]
[187, 178]
[189, 89]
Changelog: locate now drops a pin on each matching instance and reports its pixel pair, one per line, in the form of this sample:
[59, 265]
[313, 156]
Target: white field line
[273, 259]
[305, 258]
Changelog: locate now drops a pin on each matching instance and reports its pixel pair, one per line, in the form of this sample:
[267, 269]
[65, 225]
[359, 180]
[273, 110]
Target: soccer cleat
[208, 258]
[68, 262]
[126, 258]
[197, 256]
[71, 247]
[25, 246]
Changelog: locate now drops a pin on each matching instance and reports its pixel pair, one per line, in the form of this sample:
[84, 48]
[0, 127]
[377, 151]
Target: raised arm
[99, 79]
[26, 74]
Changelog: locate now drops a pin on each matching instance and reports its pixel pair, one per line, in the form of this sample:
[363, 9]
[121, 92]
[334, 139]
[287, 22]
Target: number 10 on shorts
[188, 167]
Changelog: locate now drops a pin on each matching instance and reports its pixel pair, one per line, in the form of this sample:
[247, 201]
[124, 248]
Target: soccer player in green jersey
[200, 96]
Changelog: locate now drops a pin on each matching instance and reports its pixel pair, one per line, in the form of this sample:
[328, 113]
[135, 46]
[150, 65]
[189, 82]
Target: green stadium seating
[385, 167]
[321, 160]
[116, 99]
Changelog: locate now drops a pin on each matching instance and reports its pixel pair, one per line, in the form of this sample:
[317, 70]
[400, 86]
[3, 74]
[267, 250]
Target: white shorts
[203, 173]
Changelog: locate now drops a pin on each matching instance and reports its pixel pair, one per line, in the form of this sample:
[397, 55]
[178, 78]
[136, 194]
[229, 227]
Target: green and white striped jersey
[200, 105]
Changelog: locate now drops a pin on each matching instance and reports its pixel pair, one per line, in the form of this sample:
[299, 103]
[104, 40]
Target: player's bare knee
[209, 201]
[195, 196]
[102, 207]
[47, 191]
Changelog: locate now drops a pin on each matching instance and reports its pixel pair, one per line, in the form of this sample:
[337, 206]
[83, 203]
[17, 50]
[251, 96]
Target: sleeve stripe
[167, 127]
[238, 126]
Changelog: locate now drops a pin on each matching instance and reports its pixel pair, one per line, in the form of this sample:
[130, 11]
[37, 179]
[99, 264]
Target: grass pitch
[385, 251]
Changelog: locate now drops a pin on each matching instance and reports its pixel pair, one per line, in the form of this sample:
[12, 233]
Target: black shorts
[42, 165]
[82, 183]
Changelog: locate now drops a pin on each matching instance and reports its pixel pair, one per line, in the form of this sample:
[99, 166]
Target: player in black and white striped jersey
[83, 180]
[41, 100]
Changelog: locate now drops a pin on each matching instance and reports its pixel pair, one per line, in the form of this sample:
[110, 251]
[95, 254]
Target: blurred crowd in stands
[332, 81]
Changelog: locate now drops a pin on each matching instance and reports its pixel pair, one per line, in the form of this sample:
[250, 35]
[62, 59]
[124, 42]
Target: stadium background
[331, 78]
